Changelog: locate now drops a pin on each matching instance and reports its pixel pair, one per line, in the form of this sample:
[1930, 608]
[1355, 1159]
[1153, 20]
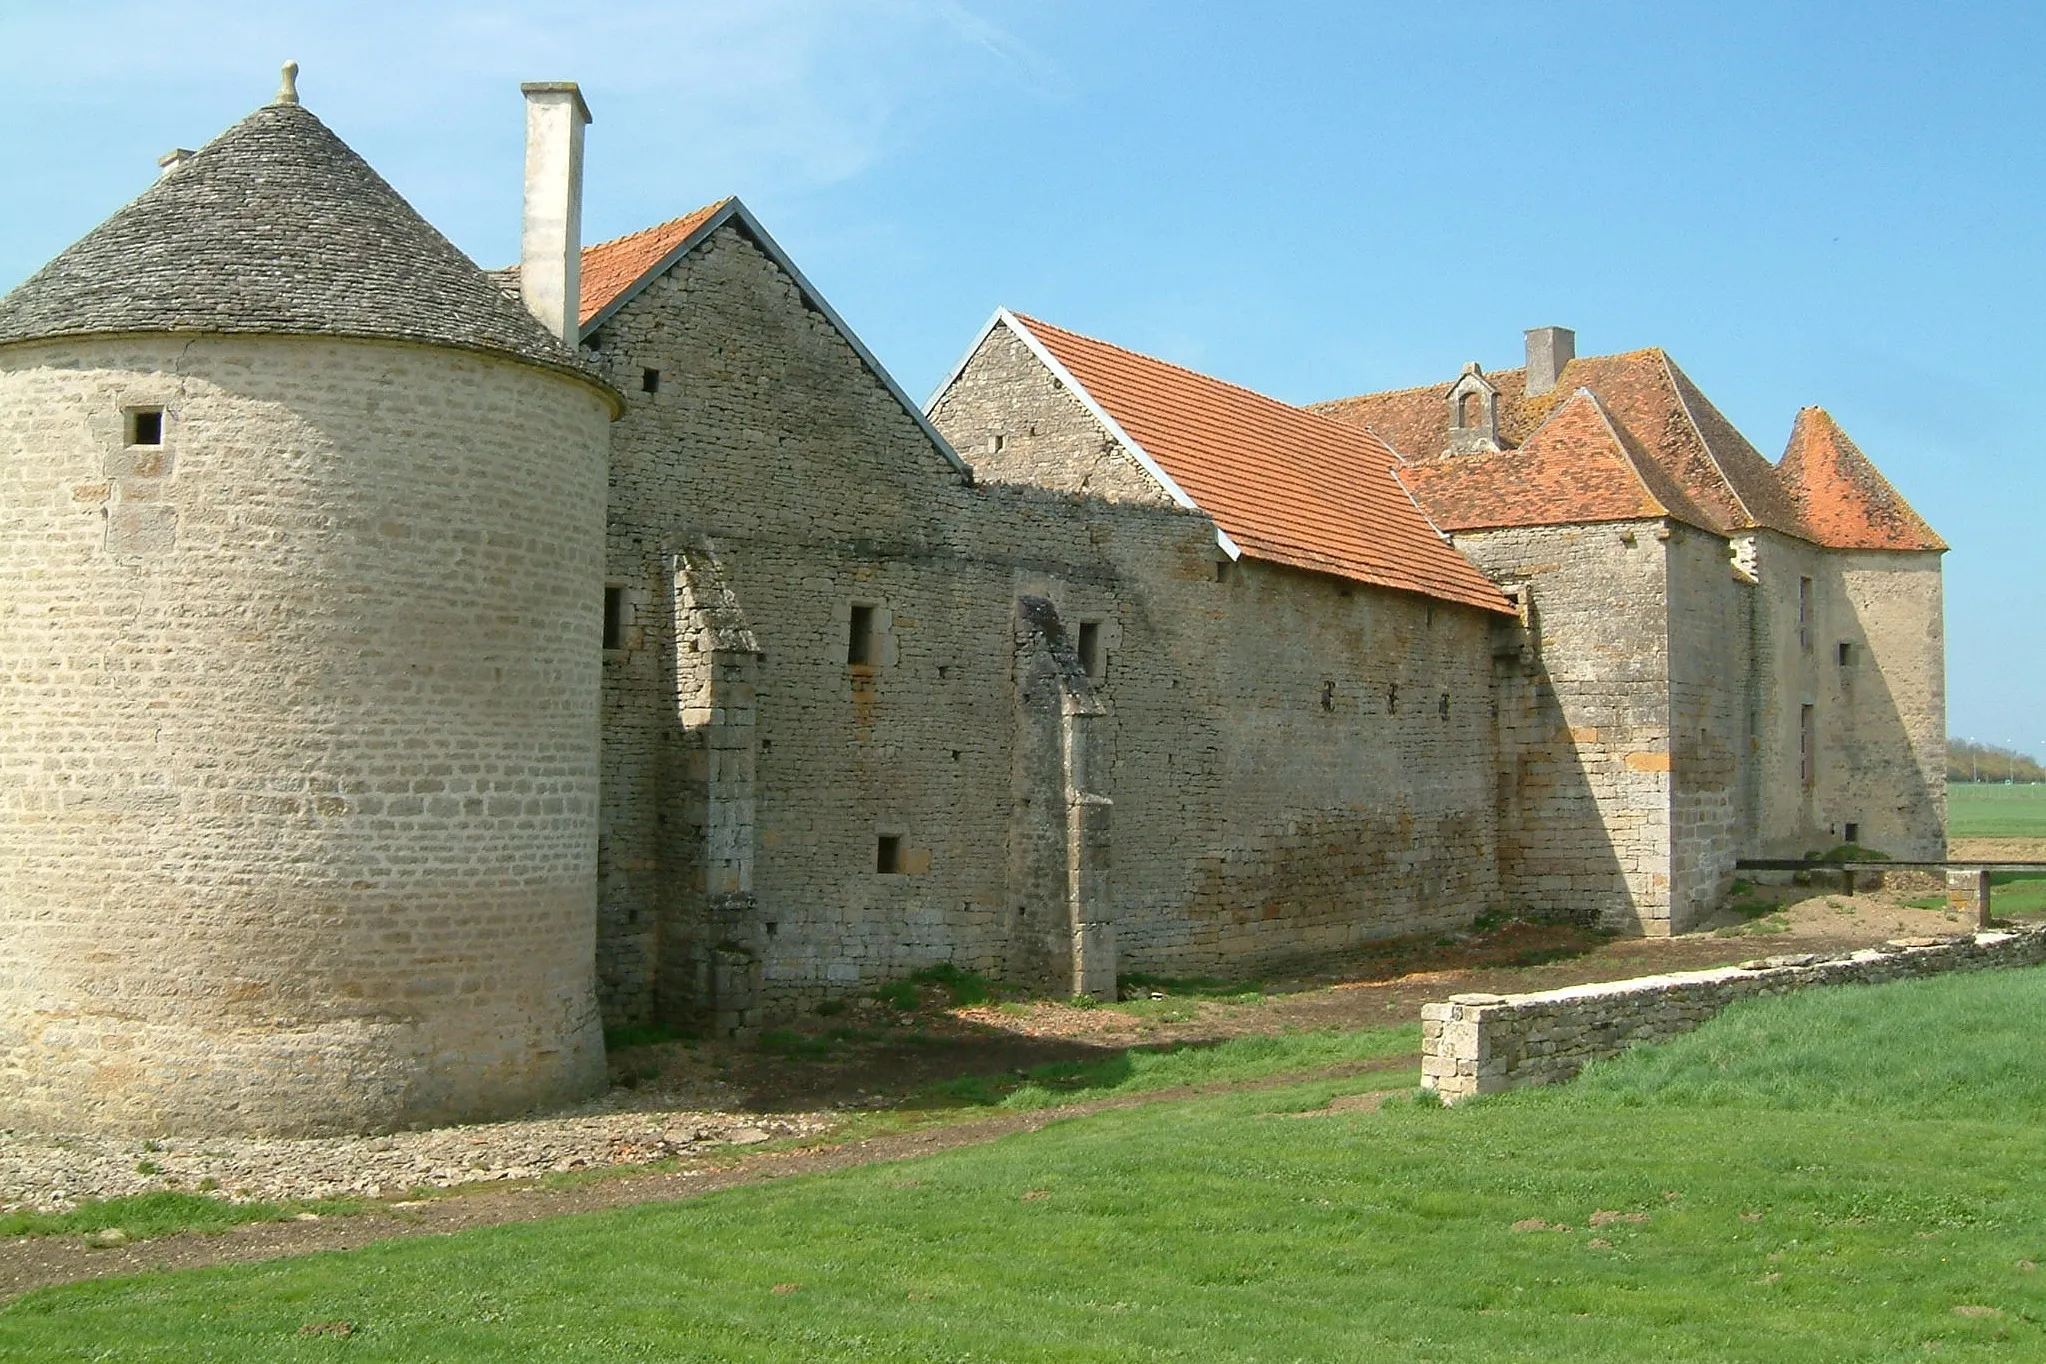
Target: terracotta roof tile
[1723, 479]
[610, 268]
[1284, 484]
[1844, 502]
[1579, 466]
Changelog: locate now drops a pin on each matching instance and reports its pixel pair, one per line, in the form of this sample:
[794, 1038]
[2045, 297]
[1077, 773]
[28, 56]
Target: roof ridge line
[731, 208]
[1174, 365]
[713, 207]
[1670, 370]
[1620, 441]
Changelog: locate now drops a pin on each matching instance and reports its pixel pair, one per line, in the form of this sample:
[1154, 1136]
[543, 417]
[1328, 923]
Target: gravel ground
[49, 1173]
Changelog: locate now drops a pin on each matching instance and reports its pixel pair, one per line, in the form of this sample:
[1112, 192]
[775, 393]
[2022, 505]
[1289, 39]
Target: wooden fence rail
[1967, 882]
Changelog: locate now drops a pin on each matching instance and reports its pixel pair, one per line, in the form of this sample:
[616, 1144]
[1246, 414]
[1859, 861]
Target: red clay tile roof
[610, 268]
[1844, 501]
[1579, 466]
[1722, 478]
[1284, 484]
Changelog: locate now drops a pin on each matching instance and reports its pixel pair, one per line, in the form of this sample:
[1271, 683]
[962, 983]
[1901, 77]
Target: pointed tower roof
[1844, 501]
[1578, 466]
[275, 227]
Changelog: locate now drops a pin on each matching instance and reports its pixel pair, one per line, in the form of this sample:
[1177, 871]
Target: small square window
[614, 618]
[888, 854]
[1850, 833]
[145, 426]
[859, 638]
[650, 381]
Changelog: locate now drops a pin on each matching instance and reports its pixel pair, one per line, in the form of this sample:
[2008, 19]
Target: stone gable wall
[1006, 398]
[1312, 765]
[298, 736]
[1267, 803]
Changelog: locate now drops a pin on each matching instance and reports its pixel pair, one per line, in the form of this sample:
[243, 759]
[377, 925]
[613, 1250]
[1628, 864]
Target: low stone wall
[1481, 1044]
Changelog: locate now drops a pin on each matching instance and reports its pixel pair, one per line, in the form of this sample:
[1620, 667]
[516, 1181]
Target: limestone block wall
[1877, 714]
[1323, 776]
[1313, 765]
[1892, 778]
[298, 735]
[1013, 418]
[1482, 1044]
[1710, 628]
[1269, 798]
[1585, 778]
[744, 874]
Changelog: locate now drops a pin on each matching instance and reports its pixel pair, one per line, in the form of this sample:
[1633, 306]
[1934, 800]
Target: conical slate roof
[276, 226]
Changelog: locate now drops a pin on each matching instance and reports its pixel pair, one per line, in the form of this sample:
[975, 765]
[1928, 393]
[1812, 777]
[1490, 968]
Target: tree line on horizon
[1968, 761]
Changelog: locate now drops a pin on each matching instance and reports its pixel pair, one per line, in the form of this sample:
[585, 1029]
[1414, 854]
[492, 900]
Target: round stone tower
[301, 557]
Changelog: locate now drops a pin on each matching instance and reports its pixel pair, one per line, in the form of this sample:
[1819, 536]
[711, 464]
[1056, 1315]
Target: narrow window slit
[614, 618]
[859, 640]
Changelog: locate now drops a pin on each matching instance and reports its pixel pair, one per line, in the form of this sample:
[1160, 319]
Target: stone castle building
[406, 670]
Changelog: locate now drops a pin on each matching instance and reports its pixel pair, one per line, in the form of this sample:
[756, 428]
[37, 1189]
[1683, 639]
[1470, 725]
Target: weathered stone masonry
[1482, 1044]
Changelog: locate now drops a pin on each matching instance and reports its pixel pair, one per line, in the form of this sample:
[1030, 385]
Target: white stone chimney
[551, 235]
[1548, 350]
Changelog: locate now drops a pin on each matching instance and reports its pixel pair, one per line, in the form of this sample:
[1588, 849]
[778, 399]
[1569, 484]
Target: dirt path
[28, 1263]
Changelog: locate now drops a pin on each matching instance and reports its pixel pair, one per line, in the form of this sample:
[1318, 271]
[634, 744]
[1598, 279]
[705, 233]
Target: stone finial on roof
[287, 91]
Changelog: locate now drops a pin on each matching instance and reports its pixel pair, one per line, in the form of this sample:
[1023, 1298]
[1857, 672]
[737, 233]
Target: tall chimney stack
[551, 232]
[1548, 350]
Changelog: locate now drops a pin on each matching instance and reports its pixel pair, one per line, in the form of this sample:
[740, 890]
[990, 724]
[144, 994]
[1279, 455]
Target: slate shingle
[276, 227]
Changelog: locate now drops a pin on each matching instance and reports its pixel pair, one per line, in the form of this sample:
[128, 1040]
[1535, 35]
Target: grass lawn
[1993, 810]
[1843, 1175]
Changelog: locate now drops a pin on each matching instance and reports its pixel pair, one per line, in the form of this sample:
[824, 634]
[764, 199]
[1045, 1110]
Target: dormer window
[1473, 413]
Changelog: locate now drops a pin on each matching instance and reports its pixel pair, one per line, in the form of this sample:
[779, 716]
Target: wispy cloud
[693, 99]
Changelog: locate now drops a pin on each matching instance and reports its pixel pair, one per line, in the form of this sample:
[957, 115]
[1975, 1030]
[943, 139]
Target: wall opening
[649, 381]
[888, 854]
[1850, 833]
[614, 618]
[1806, 758]
[1089, 647]
[1804, 614]
[859, 638]
[1846, 653]
[145, 426]
[995, 443]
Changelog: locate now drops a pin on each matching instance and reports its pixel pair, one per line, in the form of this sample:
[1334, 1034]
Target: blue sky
[1804, 203]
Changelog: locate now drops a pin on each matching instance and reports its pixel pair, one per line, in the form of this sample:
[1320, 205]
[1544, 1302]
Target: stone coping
[1484, 1043]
